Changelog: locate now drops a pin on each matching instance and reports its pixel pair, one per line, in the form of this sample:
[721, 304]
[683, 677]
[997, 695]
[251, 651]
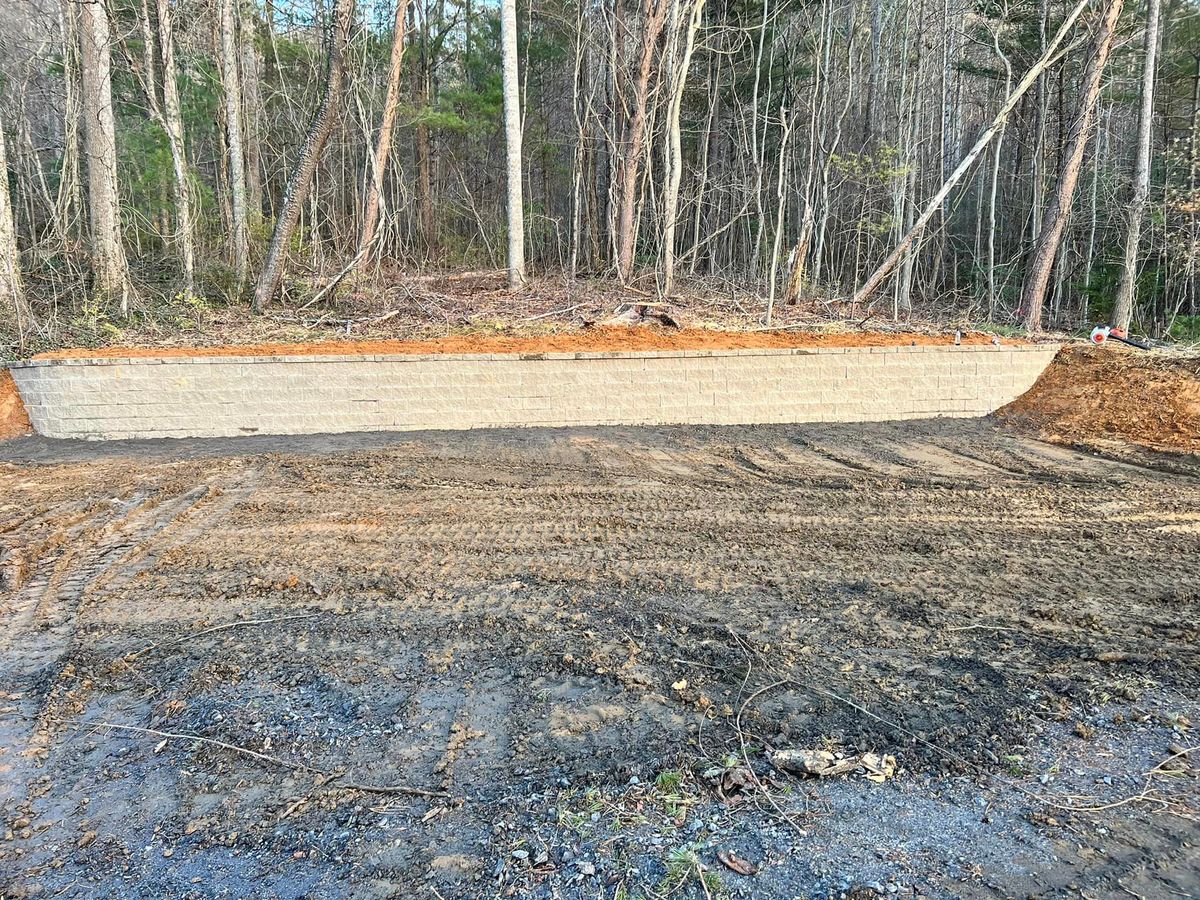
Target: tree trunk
[12, 287]
[634, 145]
[421, 141]
[1038, 154]
[512, 145]
[231, 83]
[1033, 292]
[383, 147]
[68, 206]
[675, 149]
[580, 156]
[110, 270]
[995, 188]
[173, 124]
[757, 150]
[251, 72]
[873, 69]
[310, 154]
[1127, 288]
[780, 195]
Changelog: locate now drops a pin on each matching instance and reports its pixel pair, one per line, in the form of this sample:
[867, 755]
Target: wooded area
[1033, 163]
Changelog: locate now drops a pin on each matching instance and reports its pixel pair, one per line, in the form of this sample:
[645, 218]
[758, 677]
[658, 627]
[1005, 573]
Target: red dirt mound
[591, 340]
[1093, 395]
[14, 421]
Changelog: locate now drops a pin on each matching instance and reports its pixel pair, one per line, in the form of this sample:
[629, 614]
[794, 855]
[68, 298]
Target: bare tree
[310, 154]
[231, 84]
[1127, 288]
[637, 118]
[383, 146]
[167, 113]
[634, 145]
[675, 146]
[12, 287]
[995, 187]
[880, 275]
[1037, 277]
[512, 143]
[68, 205]
[172, 121]
[251, 74]
[422, 141]
[110, 270]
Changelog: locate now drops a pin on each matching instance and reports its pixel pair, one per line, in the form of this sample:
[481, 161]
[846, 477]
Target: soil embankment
[14, 420]
[1101, 395]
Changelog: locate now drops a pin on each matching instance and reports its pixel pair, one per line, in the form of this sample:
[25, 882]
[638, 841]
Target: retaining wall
[224, 396]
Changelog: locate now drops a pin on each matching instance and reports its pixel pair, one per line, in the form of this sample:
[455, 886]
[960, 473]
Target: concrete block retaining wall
[228, 396]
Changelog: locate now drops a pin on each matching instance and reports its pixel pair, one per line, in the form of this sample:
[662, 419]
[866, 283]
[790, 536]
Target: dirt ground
[1110, 397]
[547, 663]
[401, 306]
[14, 420]
[571, 341]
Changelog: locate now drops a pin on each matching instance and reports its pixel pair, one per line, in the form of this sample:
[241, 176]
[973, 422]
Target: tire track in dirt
[495, 612]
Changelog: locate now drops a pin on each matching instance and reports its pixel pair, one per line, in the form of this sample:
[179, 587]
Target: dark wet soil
[568, 638]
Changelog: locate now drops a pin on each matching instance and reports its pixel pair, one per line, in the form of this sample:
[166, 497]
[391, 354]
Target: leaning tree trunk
[1033, 292]
[12, 288]
[512, 144]
[1126, 289]
[231, 84]
[880, 275]
[110, 270]
[383, 147]
[310, 154]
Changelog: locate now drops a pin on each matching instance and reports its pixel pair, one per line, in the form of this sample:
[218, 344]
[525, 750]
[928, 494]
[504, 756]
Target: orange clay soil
[592, 340]
[14, 421]
[1098, 395]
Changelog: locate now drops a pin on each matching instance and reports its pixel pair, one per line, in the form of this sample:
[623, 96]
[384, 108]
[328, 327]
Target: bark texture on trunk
[1037, 277]
[172, 116]
[310, 154]
[634, 145]
[251, 73]
[110, 270]
[512, 144]
[231, 83]
[1127, 288]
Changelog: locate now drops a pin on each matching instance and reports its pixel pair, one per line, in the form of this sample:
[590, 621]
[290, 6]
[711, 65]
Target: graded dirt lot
[546, 663]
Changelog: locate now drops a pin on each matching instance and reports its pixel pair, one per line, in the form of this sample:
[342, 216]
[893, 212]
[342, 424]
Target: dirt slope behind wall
[14, 421]
[1103, 395]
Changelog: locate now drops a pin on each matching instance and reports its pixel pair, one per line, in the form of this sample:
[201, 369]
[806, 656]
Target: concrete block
[219, 396]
